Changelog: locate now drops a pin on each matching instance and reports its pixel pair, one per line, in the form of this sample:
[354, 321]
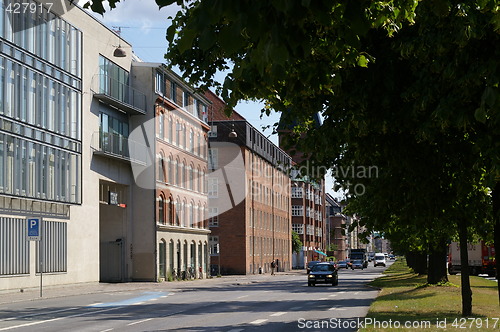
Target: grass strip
[407, 303]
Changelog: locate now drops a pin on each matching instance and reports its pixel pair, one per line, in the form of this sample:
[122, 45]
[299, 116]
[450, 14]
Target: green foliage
[332, 247]
[296, 243]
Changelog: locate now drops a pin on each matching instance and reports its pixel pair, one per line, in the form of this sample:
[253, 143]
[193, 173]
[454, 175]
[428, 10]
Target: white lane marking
[295, 308]
[39, 314]
[323, 298]
[106, 330]
[93, 304]
[342, 292]
[258, 321]
[276, 314]
[356, 293]
[235, 330]
[240, 297]
[333, 295]
[56, 319]
[138, 303]
[140, 321]
[337, 308]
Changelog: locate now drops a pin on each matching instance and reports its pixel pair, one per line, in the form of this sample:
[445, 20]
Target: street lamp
[232, 134]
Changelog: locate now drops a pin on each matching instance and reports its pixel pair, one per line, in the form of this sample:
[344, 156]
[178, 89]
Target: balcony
[119, 95]
[118, 147]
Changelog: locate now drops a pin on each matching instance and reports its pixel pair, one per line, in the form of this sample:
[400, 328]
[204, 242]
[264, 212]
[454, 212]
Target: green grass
[406, 297]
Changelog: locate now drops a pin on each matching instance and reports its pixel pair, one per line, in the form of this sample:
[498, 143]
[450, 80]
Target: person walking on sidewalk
[273, 266]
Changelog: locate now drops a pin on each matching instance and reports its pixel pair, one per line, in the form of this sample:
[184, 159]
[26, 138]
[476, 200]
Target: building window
[113, 80]
[213, 187]
[213, 215]
[161, 210]
[161, 169]
[160, 83]
[161, 128]
[191, 215]
[177, 166]
[170, 211]
[185, 99]
[162, 259]
[191, 141]
[213, 158]
[213, 242]
[297, 210]
[310, 229]
[213, 131]
[297, 192]
[170, 130]
[173, 92]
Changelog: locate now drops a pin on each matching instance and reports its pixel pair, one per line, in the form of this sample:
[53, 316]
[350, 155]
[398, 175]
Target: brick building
[249, 197]
[180, 134]
[308, 205]
[308, 219]
[335, 225]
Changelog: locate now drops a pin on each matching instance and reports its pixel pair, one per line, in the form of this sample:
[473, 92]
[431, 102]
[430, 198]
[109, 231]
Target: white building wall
[83, 224]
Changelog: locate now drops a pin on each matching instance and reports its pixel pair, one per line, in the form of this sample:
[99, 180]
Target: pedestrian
[273, 265]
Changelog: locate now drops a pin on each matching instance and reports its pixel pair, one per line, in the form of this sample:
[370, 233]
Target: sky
[144, 26]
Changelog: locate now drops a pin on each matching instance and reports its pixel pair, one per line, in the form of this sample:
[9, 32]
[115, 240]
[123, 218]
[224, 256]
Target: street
[282, 302]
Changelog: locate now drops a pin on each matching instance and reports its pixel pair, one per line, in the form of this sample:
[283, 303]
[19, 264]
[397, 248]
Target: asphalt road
[281, 303]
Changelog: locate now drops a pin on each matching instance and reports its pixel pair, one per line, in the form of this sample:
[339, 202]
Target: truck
[359, 254]
[481, 258]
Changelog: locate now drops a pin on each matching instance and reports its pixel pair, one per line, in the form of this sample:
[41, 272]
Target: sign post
[35, 234]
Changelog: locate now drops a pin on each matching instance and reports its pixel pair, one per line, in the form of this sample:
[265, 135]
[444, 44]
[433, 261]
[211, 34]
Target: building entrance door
[111, 257]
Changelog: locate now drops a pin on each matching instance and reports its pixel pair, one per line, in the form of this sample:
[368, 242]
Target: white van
[379, 260]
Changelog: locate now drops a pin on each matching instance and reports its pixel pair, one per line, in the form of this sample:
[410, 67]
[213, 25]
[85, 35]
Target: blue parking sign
[34, 228]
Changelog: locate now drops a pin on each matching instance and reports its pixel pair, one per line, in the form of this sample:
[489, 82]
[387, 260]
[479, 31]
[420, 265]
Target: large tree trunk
[464, 273]
[437, 264]
[417, 261]
[410, 259]
[496, 232]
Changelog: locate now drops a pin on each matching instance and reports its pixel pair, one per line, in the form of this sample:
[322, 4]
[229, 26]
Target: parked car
[310, 265]
[323, 273]
[349, 263]
[357, 264]
[379, 260]
[392, 257]
[342, 264]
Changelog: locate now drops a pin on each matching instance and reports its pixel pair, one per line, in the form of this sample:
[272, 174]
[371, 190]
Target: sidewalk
[33, 294]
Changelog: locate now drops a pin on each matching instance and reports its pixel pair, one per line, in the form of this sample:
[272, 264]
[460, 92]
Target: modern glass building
[40, 106]
[40, 136]
[66, 109]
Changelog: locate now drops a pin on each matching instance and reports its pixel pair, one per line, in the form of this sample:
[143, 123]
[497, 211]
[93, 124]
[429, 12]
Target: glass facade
[44, 34]
[113, 80]
[40, 105]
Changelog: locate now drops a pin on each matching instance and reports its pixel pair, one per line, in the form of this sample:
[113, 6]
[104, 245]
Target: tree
[447, 60]
[296, 243]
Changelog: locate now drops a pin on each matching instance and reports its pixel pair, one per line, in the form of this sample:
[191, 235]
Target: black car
[323, 273]
[311, 264]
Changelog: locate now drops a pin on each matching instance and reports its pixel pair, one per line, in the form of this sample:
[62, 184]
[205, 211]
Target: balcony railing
[118, 147]
[118, 94]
